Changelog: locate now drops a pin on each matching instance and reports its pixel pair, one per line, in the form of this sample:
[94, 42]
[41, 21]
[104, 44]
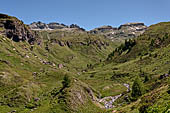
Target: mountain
[52, 26]
[129, 30]
[147, 57]
[156, 36]
[55, 68]
[40, 69]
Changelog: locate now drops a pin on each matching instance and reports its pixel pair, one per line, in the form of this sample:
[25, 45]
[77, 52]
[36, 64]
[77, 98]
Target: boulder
[60, 66]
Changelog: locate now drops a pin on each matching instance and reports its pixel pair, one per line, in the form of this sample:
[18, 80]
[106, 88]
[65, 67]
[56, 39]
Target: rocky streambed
[108, 101]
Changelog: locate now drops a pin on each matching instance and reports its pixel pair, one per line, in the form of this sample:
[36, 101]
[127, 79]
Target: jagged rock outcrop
[103, 29]
[53, 26]
[76, 26]
[15, 29]
[56, 26]
[42, 26]
[38, 25]
[128, 30]
[137, 25]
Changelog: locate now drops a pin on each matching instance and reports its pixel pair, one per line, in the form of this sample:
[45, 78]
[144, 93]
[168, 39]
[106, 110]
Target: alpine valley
[58, 68]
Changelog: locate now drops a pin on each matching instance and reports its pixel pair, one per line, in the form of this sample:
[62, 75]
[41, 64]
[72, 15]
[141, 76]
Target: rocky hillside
[129, 30]
[55, 68]
[146, 58]
[156, 36]
[15, 29]
[40, 69]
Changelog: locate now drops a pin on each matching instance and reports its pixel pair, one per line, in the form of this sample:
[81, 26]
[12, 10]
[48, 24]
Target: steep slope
[15, 29]
[156, 36]
[146, 57]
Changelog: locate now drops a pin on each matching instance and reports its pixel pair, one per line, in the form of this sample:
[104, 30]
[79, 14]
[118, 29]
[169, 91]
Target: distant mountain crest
[53, 25]
[128, 30]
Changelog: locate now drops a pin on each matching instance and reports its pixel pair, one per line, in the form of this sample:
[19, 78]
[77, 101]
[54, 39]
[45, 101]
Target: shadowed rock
[16, 29]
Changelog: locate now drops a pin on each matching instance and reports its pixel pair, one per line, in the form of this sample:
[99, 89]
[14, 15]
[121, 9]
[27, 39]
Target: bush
[146, 78]
[66, 81]
[137, 88]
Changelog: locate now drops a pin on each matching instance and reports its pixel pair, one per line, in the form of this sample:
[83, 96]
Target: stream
[108, 101]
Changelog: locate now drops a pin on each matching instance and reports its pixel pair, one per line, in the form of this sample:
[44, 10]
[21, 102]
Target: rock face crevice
[15, 29]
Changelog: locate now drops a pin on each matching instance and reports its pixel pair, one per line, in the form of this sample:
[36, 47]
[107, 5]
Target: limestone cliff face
[128, 30]
[15, 29]
[54, 26]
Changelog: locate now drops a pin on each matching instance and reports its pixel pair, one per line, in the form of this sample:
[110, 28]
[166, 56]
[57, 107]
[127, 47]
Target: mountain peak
[128, 30]
[53, 26]
[134, 23]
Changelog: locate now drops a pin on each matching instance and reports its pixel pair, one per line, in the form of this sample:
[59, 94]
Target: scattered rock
[60, 66]
[127, 86]
[14, 111]
[53, 64]
[36, 99]
[61, 43]
[164, 76]
[27, 56]
[34, 73]
[4, 61]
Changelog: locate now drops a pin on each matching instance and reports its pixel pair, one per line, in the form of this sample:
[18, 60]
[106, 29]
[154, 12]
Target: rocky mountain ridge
[53, 26]
[83, 72]
[128, 30]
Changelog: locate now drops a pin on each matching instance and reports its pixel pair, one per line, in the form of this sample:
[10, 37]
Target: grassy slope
[156, 36]
[23, 90]
[153, 64]
[26, 83]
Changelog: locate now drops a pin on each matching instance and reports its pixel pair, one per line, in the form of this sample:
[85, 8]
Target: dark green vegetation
[70, 71]
[137, 89]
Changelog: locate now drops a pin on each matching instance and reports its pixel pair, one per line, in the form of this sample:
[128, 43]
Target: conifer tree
[137, 88]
